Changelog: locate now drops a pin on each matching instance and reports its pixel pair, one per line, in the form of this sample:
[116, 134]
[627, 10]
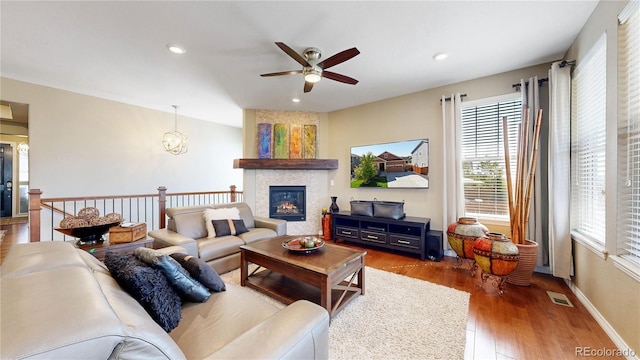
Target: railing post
[233, 193]
[162, 203]
[34, 215]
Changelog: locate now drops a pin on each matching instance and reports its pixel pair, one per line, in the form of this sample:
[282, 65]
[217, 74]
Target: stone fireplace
[258, 183]
[287, 203]
[259, 177]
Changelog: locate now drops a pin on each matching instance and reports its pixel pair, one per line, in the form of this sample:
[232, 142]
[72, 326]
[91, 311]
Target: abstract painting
[264, 141]
[280, 141]
[295, 141]
[309, 142]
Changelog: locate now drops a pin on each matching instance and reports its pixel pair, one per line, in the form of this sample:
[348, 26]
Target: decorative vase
[522, 274]
[463, 233]
[334, 207]
[326, 227]
[495, 254]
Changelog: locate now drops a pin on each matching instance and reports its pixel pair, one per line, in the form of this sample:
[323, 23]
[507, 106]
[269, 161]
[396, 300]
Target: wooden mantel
[286, 164]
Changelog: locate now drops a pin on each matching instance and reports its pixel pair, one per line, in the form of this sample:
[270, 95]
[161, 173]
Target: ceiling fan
[313, 70]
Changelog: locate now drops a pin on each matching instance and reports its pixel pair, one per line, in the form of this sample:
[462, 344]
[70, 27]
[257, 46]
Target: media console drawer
[366, 235]
[348, 232]
[404, 241]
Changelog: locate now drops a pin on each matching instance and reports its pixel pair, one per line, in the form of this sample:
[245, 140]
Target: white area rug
[398, 318]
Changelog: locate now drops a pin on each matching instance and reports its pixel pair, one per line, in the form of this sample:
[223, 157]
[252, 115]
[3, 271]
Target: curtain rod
[449, 98]
[540, 82]
[567, 62]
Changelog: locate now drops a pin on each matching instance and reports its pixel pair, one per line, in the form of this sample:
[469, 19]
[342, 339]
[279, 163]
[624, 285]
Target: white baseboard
[613, 334]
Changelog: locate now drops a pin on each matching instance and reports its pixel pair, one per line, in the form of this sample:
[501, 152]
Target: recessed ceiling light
[440, 56]
[295, 100]
[176, 49]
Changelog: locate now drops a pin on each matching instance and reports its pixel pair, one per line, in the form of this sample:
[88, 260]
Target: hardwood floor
[521, 324]
[16, 233]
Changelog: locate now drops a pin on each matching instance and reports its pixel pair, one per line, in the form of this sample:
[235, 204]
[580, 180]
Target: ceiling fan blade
[308, 86]
[339, 58]
[292, 72]
[339, 77]
[297, 57]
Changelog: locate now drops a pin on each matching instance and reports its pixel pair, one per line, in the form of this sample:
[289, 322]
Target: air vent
[559, 299]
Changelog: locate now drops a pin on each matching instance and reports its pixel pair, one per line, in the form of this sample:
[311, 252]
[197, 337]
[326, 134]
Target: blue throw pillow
[200, 271]
[187, 287]
[148, 286]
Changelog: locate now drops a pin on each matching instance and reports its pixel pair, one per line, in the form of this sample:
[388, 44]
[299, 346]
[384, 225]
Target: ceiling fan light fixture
[312, 74]
[313, 70]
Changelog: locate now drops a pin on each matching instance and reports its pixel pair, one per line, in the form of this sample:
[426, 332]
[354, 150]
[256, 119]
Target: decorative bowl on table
[303, 245]
[89, 234]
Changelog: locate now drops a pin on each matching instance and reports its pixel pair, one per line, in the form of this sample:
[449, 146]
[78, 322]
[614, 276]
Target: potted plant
[519, 193]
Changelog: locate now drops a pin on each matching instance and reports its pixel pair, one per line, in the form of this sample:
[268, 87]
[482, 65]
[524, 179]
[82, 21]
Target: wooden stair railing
[135, 208]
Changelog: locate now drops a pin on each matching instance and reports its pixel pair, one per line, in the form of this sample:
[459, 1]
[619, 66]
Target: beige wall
[612, 293]
[82, 145]
[409, 117]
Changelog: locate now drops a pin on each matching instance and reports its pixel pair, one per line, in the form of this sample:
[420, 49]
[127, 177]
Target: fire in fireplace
[287, 203]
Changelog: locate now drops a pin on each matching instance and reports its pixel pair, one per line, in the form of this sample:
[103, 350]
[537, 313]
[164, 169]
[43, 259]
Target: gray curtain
[537, 228]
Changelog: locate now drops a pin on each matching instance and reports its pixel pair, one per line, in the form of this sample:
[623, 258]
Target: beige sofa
[186, 227]
[59, 302]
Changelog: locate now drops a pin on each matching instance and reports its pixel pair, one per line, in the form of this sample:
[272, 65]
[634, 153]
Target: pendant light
[174, 141]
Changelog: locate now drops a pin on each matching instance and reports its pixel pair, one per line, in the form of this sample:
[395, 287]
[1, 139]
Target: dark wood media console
[407, 234]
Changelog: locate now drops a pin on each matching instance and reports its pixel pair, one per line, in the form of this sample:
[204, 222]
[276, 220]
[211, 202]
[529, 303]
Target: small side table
[100, 250]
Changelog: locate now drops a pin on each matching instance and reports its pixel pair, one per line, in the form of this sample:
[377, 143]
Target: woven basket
[522, 274]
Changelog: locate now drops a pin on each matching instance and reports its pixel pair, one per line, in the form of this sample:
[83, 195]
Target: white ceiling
[117, 50]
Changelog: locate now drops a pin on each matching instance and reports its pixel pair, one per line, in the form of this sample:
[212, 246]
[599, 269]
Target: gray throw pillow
[200, 271]
[229, 227]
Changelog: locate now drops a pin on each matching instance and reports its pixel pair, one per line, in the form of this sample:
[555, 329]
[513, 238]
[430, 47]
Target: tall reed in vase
[519, 188]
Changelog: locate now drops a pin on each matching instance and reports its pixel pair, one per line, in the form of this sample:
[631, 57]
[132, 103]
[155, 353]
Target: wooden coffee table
[332, 276]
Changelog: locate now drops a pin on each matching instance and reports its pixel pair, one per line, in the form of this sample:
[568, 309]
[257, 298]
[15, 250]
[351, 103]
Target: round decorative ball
[463, 233]
[495, 254]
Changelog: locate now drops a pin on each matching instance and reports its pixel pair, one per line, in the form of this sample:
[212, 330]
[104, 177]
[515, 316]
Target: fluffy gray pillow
[148, 286]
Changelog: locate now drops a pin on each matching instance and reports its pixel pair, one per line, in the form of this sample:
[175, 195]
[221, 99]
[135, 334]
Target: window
[628, 238]
[23, 182]
[483, 165]
[588, 135]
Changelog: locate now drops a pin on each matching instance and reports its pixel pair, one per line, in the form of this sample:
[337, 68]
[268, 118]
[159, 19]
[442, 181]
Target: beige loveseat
[186, 227]
[59, 302]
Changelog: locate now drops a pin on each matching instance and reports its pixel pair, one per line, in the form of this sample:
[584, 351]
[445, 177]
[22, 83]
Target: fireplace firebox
[287, 203]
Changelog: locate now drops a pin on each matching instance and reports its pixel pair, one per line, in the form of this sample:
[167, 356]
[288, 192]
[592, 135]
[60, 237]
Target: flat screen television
[400, 164]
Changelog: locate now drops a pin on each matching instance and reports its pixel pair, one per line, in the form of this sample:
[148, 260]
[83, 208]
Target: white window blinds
[629, 133]
[588, 135]
[483, 165]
